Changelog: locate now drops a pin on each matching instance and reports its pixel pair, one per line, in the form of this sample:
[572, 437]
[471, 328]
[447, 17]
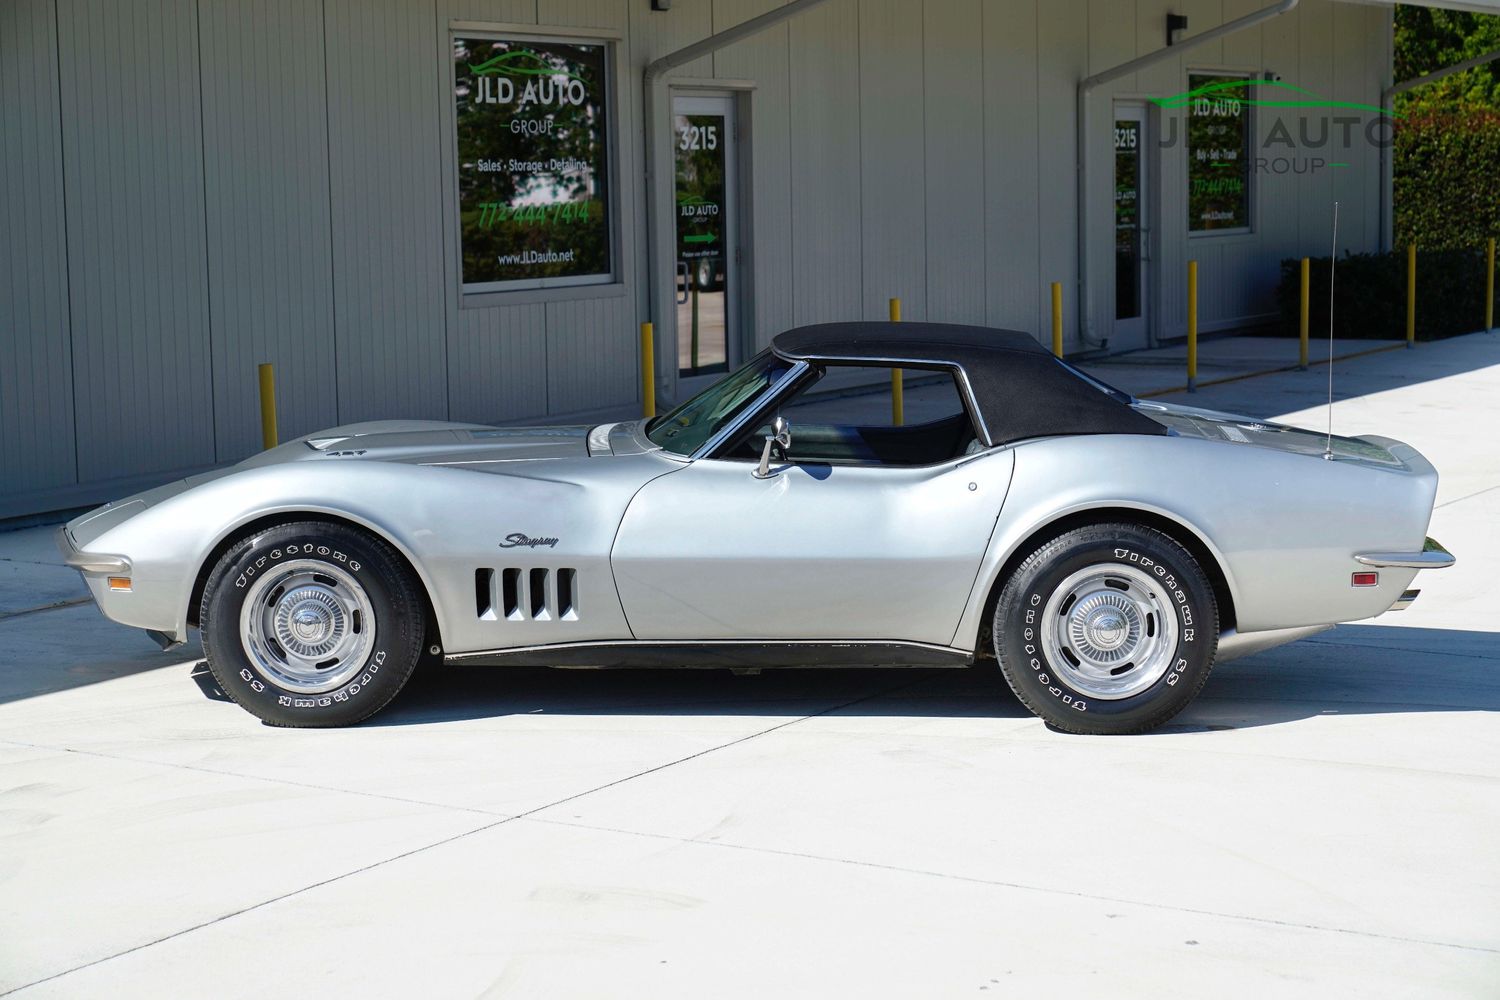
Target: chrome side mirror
[780, 439]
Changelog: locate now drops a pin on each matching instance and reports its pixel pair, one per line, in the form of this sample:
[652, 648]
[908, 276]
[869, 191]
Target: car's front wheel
[311, 624]
[1107, 629]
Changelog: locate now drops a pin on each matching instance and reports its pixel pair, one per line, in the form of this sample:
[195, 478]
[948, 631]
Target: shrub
[1444, 185]
[1370, 295]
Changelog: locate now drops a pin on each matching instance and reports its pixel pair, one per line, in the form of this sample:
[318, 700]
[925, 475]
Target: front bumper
[89, 562]
[97, 568]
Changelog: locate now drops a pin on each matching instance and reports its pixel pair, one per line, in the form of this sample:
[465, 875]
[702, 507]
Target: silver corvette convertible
[1104, 551]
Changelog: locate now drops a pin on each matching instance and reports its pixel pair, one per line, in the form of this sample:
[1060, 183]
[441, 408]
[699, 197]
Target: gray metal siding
[954, 160]
[383, 86]
[892, 245]
[36, 364]
[133, 174]
[604, 329]
[764, 59]
[265, 162]
[499, 363]
[1062, 62]
[825, 161]
[1012, 203]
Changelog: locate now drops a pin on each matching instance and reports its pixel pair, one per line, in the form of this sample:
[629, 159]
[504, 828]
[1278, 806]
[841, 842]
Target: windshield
[685, 429]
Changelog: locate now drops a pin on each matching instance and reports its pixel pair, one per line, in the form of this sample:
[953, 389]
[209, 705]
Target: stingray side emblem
[517, 539]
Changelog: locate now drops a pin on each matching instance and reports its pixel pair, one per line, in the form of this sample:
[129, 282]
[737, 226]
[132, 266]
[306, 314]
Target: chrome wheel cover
[307, 625]
[1109, 631]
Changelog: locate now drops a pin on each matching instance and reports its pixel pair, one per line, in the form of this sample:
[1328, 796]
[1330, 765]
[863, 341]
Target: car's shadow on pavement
[442, 694]
[1353, 670]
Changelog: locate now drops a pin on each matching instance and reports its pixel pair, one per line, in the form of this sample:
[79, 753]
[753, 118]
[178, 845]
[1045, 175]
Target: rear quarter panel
[1284, 527]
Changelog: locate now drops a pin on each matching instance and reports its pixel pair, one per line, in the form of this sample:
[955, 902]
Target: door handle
[685, 273]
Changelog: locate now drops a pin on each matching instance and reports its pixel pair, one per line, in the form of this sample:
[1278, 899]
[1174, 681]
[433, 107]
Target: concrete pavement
[1163, 370]
[1319, 823]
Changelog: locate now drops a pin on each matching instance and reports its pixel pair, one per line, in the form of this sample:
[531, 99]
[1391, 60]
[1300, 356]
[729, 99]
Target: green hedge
[1370, 295]
[1445, 189]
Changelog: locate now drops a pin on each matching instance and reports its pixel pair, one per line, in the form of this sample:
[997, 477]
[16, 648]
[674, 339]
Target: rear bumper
[1406, 600]
[1432, 556]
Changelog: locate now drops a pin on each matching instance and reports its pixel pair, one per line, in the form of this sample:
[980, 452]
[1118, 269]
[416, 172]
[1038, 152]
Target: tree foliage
[1445, 191]
[1428, 40]
[1447, 138]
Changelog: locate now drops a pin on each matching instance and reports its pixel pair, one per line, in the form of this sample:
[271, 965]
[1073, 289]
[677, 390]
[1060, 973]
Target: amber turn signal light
[119, 583]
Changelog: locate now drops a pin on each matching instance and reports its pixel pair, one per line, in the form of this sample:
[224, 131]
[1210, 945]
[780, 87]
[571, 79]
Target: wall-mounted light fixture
[1176, 28]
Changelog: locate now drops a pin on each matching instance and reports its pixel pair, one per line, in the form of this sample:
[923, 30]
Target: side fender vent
[567, 604]
[484, 594]
[536, 590]
[536, 594]
[512, 595]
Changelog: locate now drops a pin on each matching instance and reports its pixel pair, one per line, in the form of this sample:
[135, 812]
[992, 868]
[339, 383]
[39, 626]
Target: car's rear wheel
[312, 624]
[1107, 629]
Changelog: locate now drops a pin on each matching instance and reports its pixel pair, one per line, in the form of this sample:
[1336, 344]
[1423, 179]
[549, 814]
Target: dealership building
[465, 209]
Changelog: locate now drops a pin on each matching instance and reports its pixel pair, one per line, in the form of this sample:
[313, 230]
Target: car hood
[432, 442]
[473, 447]
[1235, 428]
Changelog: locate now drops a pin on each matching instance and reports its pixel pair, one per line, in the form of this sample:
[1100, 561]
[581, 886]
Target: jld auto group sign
[1218, 154]
[533, 147]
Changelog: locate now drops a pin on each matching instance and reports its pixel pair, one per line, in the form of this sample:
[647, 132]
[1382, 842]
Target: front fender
[446, 521]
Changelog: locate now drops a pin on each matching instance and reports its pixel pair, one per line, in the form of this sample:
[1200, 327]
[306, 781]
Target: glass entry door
[1132, 228]
[703, 131]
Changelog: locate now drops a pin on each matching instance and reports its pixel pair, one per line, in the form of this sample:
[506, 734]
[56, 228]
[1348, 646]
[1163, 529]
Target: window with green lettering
[1218, 152]
[532, 118]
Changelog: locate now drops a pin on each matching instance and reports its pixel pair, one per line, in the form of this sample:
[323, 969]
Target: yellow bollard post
[898, 392]
[648, 376]
[1489, 285]
[1192, 319]
[1057, 319]
[267, 407]
[1411, 295]
[1302, 316]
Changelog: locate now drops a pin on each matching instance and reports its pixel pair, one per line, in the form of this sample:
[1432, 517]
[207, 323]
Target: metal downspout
[1085, 300]
[1387, 162]
[658, 179]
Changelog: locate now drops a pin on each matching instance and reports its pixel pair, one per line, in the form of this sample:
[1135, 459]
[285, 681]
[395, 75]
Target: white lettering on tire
[1168, 579]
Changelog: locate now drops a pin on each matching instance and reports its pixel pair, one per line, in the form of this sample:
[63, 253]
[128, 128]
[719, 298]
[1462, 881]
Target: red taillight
[1365, 580]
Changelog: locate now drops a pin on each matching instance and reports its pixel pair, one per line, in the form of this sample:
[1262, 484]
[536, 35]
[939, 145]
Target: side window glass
[846, 418]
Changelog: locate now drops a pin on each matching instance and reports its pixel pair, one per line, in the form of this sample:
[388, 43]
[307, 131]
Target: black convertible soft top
[1021, 390]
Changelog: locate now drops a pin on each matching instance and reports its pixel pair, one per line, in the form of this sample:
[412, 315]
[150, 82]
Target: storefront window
[1218, 150]
[535, 207]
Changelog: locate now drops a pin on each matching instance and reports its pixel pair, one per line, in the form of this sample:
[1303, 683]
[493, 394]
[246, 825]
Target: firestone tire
[312, 624]
[1108, 629]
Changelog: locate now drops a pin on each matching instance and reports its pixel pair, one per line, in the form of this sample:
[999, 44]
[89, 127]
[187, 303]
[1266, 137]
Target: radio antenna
[1332, 262]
